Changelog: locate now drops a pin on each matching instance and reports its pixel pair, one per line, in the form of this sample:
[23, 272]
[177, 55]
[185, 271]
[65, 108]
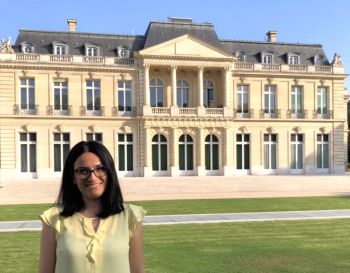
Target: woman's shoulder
[134, 209]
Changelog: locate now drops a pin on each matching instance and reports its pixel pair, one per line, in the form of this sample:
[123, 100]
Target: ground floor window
[28, 152]
[125, 152]
[322, 151]
[297, 146]
[159, 153]
[211, 152]
[270, 145]
[61, 146]
[243, 151]
[186, 153]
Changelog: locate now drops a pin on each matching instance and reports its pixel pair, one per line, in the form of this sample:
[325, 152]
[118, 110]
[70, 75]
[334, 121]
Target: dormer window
[293, 59]
[27, 48]
[241, 57]
[267, 58]
[60, 49]
[123, 52]
[318, 60]
[92, 50]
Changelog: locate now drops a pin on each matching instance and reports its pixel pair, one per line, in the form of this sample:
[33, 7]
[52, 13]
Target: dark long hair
[70, 198]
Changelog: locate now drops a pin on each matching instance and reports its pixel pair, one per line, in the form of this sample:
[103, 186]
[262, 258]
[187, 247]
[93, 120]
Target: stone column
[174, 154]
[173, 85]
[200, 153]
[147, 169]
[147, 101]
[200, 85]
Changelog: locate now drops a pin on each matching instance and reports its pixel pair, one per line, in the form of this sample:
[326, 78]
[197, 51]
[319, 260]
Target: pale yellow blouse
[82, 250]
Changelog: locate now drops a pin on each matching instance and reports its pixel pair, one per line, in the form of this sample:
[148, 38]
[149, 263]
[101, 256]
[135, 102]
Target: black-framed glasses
[85, 173]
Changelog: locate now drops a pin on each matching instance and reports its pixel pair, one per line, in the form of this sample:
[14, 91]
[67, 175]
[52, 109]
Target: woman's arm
[47, 260]
[136, 251]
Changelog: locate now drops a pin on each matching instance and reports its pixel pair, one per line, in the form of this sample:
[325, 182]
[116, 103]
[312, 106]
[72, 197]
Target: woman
[90, 229]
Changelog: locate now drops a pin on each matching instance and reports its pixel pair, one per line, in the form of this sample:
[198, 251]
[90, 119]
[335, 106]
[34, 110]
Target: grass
[31, 212]
[278, 247]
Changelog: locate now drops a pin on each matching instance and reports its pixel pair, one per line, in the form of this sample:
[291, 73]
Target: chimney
[272, 36]
[72, 24]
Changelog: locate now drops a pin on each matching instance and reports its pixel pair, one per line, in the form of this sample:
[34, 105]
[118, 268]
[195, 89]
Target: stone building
[175, 101]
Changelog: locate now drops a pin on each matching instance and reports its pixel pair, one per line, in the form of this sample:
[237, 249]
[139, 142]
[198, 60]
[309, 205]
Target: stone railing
[267, 114]
[326, 115]
[59, 110]
[297, 114]
[26, 109]
[243, 114]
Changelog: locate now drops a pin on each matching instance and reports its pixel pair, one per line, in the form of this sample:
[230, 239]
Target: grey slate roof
[159, 32]
[42, 41]
[253, 50]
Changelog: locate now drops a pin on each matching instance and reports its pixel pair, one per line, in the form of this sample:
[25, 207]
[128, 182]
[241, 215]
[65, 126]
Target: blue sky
[305, 21]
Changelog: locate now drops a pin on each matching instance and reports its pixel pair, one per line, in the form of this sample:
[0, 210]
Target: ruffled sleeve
[135, 215]
[51, 217]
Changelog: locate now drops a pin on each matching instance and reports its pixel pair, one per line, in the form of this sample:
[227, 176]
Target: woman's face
[90, 176]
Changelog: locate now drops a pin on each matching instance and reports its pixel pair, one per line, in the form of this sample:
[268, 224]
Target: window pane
[239, 158]
[155, 160]
[326, 156]
[32, 151]
[300, 156]
[57, 157]
[189, 157]
[164, 160]
[319, 156]
[120, 137]
[129, 157]
[66, 148]
[121, 157]
[266, 156]
[24, 158]
[182, 157]
[121, 101]
[246, 157]
[273, 156]
[215, 156]
[207, 156]
[129, 137]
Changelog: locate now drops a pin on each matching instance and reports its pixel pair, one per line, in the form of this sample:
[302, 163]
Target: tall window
[241, 57]
[186, 153]
[28, 152]
[157, 91]
[270, 153]
[242, 99]
[125, 152]
[27, 94]
[322, 100]
[94, 137]
[267, 59]
[61, 145]
[159, 153]
[182, 93]
[208, 94]
[60, 90]
[242, 150]
[297, 143]
[322, 151]
[124, 96]
[270, 99]
[93, 99]
[297, 99]
[211, 153]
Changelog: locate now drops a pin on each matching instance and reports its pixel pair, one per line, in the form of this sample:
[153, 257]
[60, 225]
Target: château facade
[175, 101]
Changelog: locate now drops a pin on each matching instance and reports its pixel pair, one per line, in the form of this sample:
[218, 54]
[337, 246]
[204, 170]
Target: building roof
[159, 32]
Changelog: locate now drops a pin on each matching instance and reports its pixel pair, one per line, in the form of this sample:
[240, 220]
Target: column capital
[146, 66]
[173, 67]
[200, 67]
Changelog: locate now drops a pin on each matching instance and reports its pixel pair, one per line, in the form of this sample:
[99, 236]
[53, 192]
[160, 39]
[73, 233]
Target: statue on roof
[6, 46]
[336, 59]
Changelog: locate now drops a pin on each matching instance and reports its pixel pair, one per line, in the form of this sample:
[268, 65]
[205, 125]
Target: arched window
[157, 91]
[27, 48]
[159, 153]
[182, 93]
[293, 59]
[123, 52]
[267, 58]
[60, 49]
[211, 152]
[241, 57]
[318, 60]
[208, 94]
[92, 50]
[186, 153]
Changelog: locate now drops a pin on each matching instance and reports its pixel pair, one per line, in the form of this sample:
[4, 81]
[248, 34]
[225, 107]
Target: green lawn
[313, 246]
[31, 212]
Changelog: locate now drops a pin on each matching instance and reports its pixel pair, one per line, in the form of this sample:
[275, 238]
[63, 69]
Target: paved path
[205, 218]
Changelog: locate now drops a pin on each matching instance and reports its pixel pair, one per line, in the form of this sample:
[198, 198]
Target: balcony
[243, 114]
[270, 114]
[59, 110]
[297, 114]
[326, 115]
[26, 109]
[92, 110]
[123, 111]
